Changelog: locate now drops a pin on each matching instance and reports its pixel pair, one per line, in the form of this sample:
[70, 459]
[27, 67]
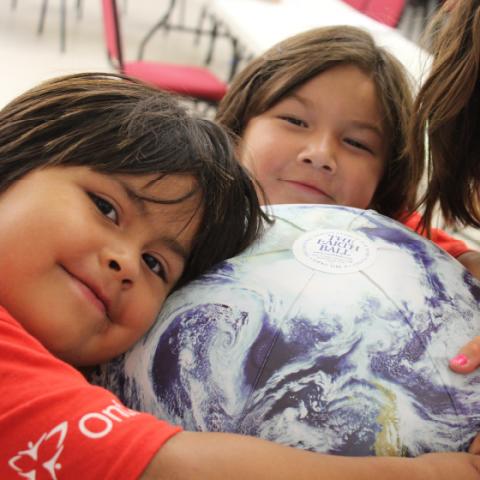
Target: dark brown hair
[114, 124]
[445, 129]
[294, 61]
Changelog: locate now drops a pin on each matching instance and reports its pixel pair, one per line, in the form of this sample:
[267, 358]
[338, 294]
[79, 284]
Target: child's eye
[357, 144]
[105, 207]
[155, 266]
[294, 121]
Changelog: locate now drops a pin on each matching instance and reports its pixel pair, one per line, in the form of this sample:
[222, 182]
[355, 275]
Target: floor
[29, 57]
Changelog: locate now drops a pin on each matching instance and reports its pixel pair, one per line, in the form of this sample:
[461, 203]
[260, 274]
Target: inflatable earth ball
[332, 333]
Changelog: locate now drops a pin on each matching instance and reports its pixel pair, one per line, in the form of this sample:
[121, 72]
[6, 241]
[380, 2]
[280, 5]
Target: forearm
[216, 456]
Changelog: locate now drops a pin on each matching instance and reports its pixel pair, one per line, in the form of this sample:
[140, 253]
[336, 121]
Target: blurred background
[33, 48]
[43, 38]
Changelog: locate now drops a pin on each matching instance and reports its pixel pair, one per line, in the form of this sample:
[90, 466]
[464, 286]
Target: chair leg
[63, 24]
[411, 26]
[169, 16]
[162, 23]
[201, 19]
[236, 57]
[79, 9]
[213, 37]
[63, 21]
[213, 32]
[43, 13]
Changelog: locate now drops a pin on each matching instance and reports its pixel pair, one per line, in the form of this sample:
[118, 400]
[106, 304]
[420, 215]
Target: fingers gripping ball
[332, 334]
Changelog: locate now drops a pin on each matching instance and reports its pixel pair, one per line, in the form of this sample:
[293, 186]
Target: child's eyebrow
[295, 96]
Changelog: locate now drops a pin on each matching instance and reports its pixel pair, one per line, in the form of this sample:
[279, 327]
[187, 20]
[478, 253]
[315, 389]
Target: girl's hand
[468, 358]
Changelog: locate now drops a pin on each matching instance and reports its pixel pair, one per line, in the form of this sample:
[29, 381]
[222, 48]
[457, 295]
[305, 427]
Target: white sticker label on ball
[334, 251]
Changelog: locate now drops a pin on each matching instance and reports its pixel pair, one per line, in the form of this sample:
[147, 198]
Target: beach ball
[331, 333]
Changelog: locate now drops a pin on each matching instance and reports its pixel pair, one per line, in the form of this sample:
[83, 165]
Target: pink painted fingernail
[459, 361]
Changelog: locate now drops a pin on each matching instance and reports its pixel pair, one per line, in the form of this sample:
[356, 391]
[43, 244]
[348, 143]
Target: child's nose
[320, 154]
[123, 265]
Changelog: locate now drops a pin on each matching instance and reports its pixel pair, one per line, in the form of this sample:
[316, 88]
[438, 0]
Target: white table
[259, 24]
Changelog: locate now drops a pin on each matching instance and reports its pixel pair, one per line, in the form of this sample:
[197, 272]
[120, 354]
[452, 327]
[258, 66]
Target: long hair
[114, 124]
[445, 129]
[294, 61]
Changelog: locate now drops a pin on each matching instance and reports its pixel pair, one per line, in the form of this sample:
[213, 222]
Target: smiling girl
[322, 117]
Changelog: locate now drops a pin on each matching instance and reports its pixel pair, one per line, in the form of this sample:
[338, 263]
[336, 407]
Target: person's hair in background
[291, 63]
[445, 129]
[117, 125]
[445, 132]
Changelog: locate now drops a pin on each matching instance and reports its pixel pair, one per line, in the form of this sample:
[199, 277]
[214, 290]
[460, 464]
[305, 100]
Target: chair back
[388, 13]
[357, 4]
[111, 27]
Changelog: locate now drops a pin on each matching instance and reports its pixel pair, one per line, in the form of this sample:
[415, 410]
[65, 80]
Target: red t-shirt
[451, 245]
[54, 425]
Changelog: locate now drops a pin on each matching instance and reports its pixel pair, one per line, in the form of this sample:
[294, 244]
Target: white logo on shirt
[93, 425]
[34, 453]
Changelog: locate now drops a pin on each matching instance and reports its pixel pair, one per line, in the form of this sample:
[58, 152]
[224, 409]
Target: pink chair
[388, 13]
[357, 4]
[195, 82]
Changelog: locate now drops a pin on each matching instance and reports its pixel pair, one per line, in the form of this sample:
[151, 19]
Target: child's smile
[90, 291]
[90, 258]
[308, 188]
